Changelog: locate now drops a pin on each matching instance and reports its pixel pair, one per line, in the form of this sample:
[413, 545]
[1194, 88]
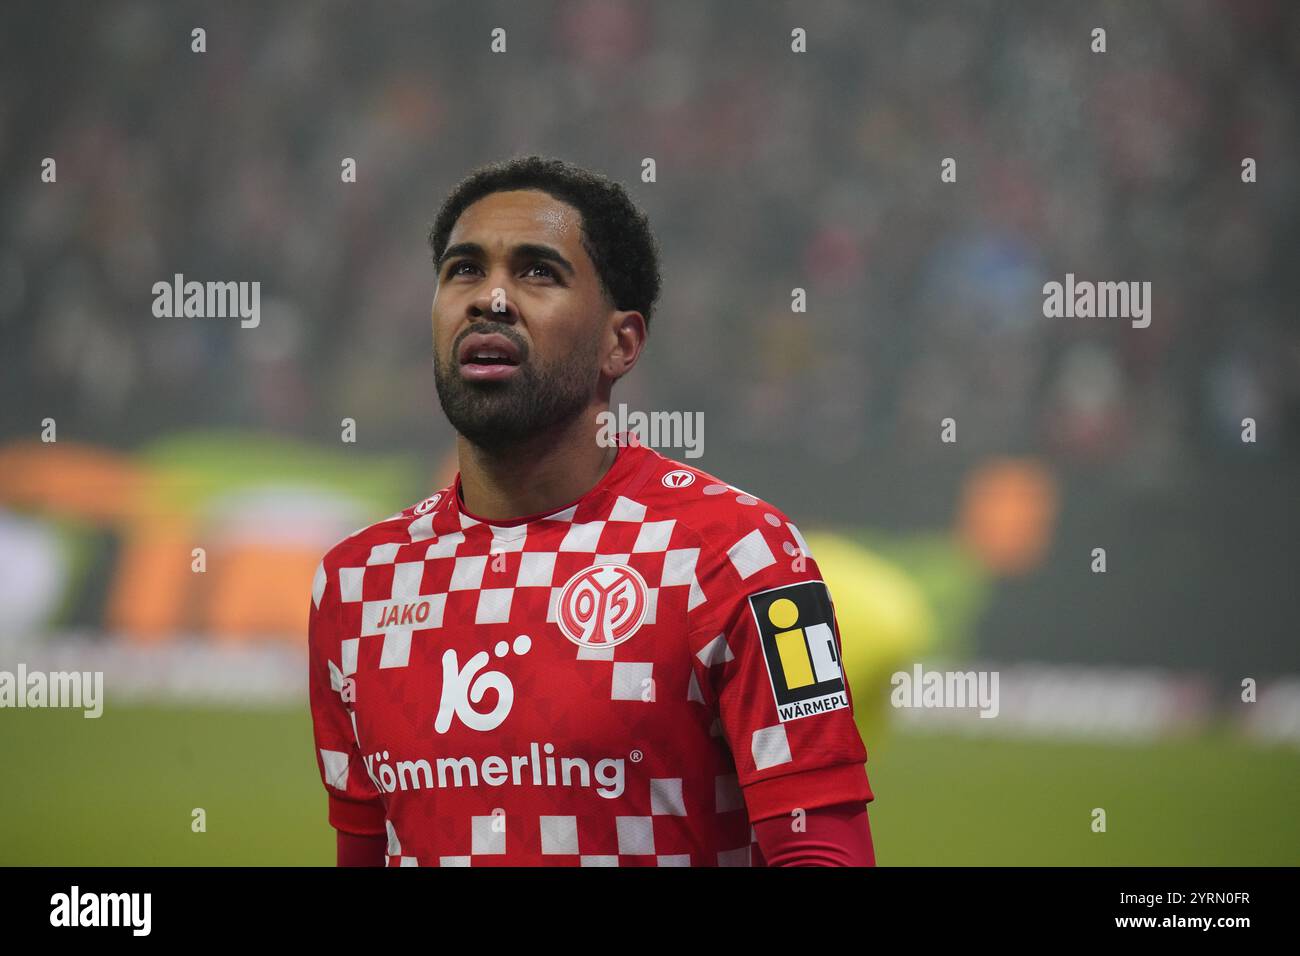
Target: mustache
[505, 331]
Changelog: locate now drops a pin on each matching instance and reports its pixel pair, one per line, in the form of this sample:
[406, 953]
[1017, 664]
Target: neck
[543, 473]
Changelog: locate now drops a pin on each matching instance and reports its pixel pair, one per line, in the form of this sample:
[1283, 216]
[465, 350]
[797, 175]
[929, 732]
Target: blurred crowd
[775, 170]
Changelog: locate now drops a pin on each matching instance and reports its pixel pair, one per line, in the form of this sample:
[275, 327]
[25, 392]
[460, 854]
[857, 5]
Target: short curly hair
[615, 233]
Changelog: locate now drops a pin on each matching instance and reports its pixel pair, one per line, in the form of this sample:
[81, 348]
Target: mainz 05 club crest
[603, 605]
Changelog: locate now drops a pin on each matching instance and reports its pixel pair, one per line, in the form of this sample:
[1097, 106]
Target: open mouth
[488, 357]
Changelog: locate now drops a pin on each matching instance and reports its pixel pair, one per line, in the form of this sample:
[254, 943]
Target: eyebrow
[524, 250]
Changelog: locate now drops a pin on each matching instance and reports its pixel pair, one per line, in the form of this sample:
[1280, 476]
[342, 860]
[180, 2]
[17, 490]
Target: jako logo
[102, 909]
[461, 689]
[396, 615]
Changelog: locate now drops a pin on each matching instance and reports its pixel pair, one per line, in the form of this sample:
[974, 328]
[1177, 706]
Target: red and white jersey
[631, 680]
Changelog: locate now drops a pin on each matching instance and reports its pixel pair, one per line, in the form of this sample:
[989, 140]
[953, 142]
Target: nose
[493, 304]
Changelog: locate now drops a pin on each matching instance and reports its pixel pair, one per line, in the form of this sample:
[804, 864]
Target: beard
[497, 416]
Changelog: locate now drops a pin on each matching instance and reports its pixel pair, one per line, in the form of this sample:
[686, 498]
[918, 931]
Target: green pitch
[121, 790]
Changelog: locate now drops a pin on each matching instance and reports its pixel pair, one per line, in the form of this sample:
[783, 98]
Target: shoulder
[730, 523]
[374, 543]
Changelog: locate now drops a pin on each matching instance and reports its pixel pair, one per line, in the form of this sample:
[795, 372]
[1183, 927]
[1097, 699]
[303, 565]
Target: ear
[625, 339]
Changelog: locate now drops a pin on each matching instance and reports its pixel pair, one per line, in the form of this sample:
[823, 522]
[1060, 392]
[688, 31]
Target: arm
[769, 659]
[355, 806]
[354, 850]
[837, 835]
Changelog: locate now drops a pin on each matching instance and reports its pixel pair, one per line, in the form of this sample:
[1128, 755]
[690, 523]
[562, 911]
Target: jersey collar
[625, 462]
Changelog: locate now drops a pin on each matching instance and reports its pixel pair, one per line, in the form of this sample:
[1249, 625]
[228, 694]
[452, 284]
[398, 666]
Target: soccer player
[581, 652]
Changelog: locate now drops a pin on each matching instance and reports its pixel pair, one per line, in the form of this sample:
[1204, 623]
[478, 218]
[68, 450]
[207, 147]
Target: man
[580, 653]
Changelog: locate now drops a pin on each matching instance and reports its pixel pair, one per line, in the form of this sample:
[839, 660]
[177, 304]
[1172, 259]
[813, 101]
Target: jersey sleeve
[838, 835]
[768, 648]
[355, 804]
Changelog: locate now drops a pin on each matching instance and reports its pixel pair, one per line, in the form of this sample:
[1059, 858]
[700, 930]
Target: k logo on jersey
[796, 623]
[463, 687]
[603, 605]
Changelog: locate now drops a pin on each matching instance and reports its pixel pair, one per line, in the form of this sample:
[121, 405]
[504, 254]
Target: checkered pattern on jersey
[572, 839]
[488, 574]
[444, 569]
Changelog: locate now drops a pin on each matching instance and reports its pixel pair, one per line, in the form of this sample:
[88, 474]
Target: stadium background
[774, 171]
